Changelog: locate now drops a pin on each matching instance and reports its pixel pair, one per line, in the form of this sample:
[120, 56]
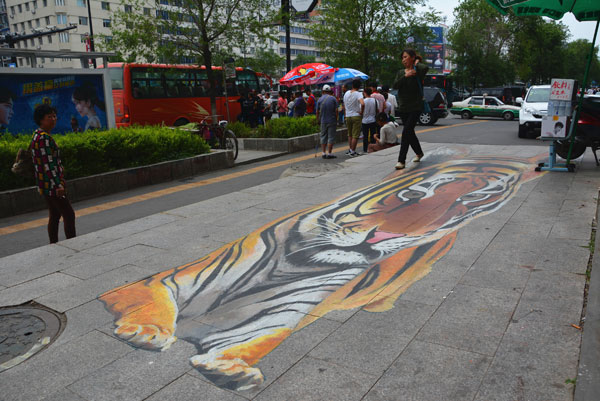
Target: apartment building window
[164, 2]
[106, 23]
[32, 42]
[37, 22]
[105, 5]
[47, 20]
[59, 2]
[40, 41]
[49, 38]
[20, 8]
[12, 9]
[20, 62]
[26, 6]
[61, 18]
[63, 37]
[147, 11]
[83, 38]
[83, 20]
[23, 26]
[45, 3]
[15, 27]
[29, 24]
[34, 4]
[81, 3]
[128, 8]
[107, 39]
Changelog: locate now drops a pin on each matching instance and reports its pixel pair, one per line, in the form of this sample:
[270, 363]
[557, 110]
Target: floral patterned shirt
[46, 162]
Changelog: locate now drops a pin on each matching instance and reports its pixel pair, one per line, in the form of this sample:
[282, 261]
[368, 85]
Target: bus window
[246, 81]
[149, 82]
[116, 77]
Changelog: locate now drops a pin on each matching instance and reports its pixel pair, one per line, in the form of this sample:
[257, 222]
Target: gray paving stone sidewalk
[491, 321]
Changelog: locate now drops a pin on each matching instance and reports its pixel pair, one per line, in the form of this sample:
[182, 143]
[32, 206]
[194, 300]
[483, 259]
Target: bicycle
[218, 136]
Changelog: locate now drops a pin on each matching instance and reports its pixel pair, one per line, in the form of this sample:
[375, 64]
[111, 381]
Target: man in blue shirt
[327, 115]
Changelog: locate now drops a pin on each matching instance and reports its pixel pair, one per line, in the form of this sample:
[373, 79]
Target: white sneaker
[348, 152]
[399, 166]
[417, 159]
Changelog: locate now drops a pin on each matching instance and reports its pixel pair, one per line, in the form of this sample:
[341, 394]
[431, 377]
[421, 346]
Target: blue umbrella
[348, 74]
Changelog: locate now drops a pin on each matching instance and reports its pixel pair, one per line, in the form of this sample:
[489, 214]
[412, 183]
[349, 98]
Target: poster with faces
[554, 127]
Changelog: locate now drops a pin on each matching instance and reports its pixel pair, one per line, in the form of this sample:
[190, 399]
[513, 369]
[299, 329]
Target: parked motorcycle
[588, 131]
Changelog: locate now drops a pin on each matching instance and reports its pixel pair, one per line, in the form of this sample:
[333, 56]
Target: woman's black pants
[409, 120]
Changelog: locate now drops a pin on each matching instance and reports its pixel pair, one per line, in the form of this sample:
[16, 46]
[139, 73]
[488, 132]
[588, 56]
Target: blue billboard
[79, 99]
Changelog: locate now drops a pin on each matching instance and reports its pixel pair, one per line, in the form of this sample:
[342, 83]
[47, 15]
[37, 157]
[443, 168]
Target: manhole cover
[26, 330]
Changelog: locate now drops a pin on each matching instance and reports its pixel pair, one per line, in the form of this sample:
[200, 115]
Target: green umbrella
[584, 10]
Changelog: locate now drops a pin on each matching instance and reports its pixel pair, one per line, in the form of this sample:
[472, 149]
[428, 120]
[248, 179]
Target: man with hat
[327, 106]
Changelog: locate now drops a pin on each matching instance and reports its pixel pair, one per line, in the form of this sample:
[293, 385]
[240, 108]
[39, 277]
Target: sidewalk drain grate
[25, 330]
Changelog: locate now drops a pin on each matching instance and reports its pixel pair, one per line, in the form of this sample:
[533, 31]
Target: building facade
[31, 16]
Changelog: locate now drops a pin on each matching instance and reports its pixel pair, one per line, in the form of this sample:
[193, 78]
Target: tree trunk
[212, 90]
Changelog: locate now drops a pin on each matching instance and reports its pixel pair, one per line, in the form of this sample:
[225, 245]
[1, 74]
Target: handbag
[426, 107]
[23, 165]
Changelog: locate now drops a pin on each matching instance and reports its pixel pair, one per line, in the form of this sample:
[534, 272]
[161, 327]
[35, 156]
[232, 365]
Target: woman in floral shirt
[49, 173]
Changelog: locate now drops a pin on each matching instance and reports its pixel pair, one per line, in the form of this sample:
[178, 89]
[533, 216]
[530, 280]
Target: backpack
[23, 165]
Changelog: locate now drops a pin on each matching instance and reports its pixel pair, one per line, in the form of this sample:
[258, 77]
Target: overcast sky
[579, 30]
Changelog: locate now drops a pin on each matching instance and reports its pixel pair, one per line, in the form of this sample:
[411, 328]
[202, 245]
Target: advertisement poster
[79, 99]
[554, 127]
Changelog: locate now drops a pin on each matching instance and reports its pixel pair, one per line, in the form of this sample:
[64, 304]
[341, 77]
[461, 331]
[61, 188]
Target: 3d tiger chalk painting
[361, 250]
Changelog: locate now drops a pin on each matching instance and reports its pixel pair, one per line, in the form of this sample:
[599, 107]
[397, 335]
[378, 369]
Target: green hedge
[94, 152]
[283, 127]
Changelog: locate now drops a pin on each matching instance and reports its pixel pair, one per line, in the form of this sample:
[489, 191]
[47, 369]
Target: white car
[533, 108]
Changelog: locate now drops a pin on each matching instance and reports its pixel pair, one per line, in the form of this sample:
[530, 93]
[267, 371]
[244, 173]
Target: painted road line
[183, 187]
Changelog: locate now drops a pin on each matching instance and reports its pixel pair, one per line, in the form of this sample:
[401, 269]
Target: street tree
[362, 34]
[576, 54]
[200, 31]
[303, 59]
[266, 61]
[480, 39]
[538, 49]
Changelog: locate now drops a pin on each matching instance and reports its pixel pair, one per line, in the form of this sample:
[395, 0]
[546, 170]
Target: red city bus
[173, 94]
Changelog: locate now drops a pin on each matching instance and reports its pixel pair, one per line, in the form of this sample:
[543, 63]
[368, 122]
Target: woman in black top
[409, 83]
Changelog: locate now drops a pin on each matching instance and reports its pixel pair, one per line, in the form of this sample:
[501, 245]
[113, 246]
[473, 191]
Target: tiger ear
[436, 156]
[534, 161]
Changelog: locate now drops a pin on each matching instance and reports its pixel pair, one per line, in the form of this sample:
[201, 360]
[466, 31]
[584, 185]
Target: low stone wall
[25, 200]
[288, 145]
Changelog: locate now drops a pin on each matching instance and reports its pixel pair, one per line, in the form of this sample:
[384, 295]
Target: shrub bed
[283, 127]
[95, 152]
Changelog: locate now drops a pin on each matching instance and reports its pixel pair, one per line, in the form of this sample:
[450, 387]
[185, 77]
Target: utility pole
[285, 4]
[92, 49]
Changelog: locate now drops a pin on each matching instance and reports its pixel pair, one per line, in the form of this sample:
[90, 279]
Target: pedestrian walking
[409, 83]
[49, 173]
[380, 99]
[310, 102]
[299, 105]
[386, 138]
[326, 109]
[353, 101]
[369, 126]
[392, 99]
[282, 105]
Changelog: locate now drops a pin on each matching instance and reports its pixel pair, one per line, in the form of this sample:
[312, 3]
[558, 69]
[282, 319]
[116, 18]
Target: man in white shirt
[353, 102]
[387, 135]
[392, 99]
[369, 126]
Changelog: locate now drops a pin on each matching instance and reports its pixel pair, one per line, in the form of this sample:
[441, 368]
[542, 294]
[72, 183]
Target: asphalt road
[449, 130]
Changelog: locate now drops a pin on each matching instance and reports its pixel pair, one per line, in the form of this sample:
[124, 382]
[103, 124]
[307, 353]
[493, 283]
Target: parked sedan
[484, 106]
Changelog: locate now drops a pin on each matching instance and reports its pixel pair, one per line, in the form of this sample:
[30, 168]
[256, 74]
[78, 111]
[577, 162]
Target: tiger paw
[234, 374]
[147, 336]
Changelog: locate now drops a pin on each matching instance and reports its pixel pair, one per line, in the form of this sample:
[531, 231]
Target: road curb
[23, 200]
[289, 145]
[587, 386]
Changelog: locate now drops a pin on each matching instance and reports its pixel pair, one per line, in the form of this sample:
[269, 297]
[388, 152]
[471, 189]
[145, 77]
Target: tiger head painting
[363, 249]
